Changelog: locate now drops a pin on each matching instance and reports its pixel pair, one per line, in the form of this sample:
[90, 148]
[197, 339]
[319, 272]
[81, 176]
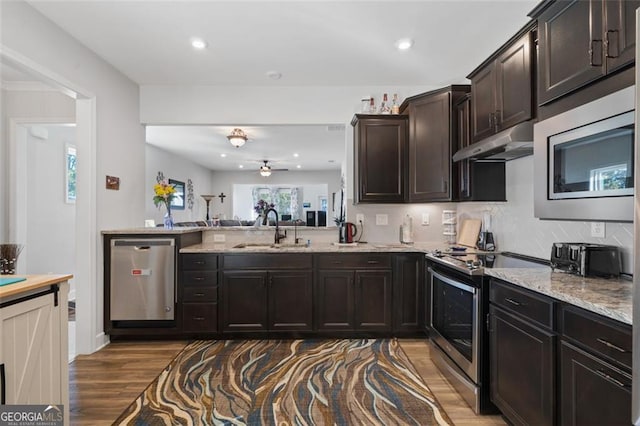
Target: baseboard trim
[102, 340]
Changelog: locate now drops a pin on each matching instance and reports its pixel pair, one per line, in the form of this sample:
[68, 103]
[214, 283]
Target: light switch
[425, 219]
[597, 229]
[382, 219]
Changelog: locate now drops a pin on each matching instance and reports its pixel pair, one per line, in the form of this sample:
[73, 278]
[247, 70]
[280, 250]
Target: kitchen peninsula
[350, 289]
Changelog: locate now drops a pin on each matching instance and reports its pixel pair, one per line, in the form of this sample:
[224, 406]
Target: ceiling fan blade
[279, 170]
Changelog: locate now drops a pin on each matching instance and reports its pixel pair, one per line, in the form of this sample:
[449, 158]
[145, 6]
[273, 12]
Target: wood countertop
[32, 282]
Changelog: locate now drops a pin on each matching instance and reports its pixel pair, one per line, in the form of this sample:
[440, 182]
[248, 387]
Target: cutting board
[469, 232]
[7, 281]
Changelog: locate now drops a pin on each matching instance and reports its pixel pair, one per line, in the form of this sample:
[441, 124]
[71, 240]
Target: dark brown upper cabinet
[432, 139]
[581, 41]
[502, 87]
[380, 150]
[476, 180]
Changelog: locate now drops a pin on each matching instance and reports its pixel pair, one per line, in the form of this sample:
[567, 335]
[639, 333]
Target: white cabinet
[33, 348]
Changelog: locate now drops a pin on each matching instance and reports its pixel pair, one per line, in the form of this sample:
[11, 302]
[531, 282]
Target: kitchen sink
[267, 245]
[255, 245]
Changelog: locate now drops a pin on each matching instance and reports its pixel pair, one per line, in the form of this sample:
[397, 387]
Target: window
[285, 200]
[606, 178]
[70, 174]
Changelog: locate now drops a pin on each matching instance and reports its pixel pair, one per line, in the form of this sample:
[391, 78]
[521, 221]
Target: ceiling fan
[265, 170]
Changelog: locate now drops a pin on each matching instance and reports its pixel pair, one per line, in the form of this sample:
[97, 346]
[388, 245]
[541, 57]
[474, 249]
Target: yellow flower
[164, 193]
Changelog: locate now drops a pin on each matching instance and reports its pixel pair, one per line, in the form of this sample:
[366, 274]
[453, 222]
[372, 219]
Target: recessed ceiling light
[274, 75]
[240, 166]
[404, 44]
[198, 43]
[298, 166]
[223, 155]
[295, 154]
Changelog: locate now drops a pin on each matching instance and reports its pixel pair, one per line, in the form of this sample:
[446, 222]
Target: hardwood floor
[418, 352]
[103, 384]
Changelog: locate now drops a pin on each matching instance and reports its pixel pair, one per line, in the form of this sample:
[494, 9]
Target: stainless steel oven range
[459, 305]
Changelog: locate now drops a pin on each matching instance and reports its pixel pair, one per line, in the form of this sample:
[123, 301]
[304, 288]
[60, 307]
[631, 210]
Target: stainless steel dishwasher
[142, 279]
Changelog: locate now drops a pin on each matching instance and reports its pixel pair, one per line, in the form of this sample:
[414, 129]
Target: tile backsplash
[513, 224]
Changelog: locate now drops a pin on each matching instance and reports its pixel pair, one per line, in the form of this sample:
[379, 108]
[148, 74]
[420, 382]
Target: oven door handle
[450, 281]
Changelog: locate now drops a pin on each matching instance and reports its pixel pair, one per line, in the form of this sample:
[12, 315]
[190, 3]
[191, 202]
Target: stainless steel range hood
[514, 142]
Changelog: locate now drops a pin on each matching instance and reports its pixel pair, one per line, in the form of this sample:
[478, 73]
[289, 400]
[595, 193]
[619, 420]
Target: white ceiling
[312, 43]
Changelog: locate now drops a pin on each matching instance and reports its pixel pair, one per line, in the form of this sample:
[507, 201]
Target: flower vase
[168, 220]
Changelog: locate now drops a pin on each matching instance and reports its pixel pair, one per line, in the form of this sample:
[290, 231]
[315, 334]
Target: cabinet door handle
[3, 385]
[198, 318]
[491, 118]
[612, 346]
[497, 121]
[609, 42]
[337, 262]
[613, 379]
[489, 323]
[199, 262]
[513, 302]
[593, 55]
[198, 278]
[372, 262]
[198, 294]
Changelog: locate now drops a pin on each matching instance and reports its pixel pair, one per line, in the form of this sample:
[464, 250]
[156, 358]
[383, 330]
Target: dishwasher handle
[143, 243]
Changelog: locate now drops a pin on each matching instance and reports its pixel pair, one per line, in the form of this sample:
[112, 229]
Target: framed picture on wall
[178, 201]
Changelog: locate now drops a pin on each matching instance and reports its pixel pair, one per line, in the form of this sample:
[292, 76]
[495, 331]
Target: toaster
[587, 260]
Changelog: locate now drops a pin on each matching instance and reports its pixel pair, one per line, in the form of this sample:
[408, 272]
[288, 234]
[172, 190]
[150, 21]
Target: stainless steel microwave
[584, 161]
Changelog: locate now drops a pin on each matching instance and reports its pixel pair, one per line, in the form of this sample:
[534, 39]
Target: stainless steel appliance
[459, 305]
[142, 279]
[588, 260]
[584, 161]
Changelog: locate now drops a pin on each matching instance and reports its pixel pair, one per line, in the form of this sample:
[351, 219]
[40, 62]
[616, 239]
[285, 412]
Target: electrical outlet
[425, 219]
[360, 218]
[219, 238]
[597, 229]
[382, 219]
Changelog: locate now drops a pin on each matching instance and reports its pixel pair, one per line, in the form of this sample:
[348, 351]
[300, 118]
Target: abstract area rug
[288, 382]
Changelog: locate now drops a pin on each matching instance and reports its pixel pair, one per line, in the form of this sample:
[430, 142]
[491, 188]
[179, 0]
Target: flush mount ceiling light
[237, 138]
[265, 170]
[404, 44]
[274, 75]
[198, 43]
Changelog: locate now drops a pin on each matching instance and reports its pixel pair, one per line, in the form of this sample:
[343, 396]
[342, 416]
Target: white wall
[258, 105]
[224, 181]
[119, 142]
[50, 245]
[177, 168]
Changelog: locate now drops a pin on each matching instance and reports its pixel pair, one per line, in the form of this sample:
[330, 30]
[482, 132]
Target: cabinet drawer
[200, 294]
[199, 261]
[353, 261]
[200, 317]
[267, 261]
[521, 301]
[199, 278]
[594, 332]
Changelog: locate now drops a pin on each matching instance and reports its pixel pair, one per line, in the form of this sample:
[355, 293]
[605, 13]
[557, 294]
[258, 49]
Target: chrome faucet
[278, 236]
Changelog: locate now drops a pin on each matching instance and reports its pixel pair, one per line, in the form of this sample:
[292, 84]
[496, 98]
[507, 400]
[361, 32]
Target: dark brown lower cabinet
[199, 317]
[373, 301]
[244, 301]
[254, 301]
[290, 301]
[407, 292]
[334, 303]
[522, 369]
[350, 300]
[592, 392]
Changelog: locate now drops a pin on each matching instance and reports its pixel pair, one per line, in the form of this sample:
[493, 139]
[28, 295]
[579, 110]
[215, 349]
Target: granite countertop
[611, 297]
[32, 283]
[313, 248]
